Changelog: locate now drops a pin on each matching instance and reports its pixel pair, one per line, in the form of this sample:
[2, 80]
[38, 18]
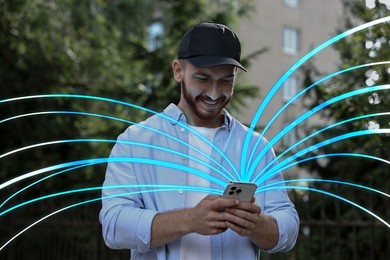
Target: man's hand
[247, 220]
[208, 216]
[243, 218]
[213, 215]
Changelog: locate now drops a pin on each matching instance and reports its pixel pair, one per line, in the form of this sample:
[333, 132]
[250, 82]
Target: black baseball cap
[210, 44]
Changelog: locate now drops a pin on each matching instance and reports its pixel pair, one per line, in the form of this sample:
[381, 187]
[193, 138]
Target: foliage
[367, 46]
[97, 48]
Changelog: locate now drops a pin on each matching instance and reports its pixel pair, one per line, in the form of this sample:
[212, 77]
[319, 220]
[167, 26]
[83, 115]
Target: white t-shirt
[195, 246]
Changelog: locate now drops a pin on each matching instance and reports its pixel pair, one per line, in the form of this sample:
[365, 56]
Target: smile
[210, 102]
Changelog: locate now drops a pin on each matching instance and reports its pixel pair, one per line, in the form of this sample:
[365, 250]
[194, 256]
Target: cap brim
[211, 61]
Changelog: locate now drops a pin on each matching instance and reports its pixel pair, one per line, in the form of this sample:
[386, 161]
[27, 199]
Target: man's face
[205, 92]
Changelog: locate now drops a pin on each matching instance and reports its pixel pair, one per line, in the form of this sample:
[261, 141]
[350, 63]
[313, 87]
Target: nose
[213, 92]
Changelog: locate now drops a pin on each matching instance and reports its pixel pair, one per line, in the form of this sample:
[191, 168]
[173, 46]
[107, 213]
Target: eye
[201, 77]
[227, 81]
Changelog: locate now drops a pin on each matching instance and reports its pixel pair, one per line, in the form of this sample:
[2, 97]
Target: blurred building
[289, 29]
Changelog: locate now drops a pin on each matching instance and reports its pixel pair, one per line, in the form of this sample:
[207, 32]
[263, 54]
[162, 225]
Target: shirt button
[180, 191]
[182, 129]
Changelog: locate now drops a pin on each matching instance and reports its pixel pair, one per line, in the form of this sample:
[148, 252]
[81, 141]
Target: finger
[217, 231]
[218, 225]
[245, 221]
[241, 216]
[212, 197]
[239, 230]
[247, 206]
[222, 203]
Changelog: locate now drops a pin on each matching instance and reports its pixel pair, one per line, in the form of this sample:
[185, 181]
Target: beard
[195, 104]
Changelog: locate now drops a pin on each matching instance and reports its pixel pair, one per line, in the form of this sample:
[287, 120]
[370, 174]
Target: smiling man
[190, 223]
[204, 92]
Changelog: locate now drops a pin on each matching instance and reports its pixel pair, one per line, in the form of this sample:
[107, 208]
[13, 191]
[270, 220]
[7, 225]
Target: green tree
[362, 237]
[96, 48]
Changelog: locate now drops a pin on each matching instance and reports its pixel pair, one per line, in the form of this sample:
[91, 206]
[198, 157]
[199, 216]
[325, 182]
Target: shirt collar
[178, 116]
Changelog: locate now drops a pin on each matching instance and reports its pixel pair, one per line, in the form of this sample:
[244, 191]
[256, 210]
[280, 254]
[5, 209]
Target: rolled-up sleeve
[278, 206]
[125, 222]
[288, 223]
[125, 227]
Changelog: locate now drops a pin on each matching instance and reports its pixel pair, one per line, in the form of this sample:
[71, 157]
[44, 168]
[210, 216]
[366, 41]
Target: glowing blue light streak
[118, 142]
[129, 105]
[75, 205]
[160, 190]
[268, 174]
[104, 141]
[317, 133]
[138, 186]
[304, 91]
[117, 119]
[344, 183]
[40, 180]
[179, 167]
[304, 117]
[334, 196]
[359, 155]
[243, 157]
[288, 73]
[101, 140]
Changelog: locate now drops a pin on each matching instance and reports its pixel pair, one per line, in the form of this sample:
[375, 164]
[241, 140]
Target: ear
[178, 72]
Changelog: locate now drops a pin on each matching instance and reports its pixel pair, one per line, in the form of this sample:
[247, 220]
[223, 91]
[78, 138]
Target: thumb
[212, 197]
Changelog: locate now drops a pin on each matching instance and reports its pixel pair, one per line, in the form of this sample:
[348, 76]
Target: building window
[290, 87]
[291, 40]
[155, 31]
[291, 3]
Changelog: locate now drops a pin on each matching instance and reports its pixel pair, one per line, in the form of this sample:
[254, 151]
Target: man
[186, 222]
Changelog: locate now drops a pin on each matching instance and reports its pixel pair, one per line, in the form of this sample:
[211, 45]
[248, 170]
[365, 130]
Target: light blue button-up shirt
[129, 207]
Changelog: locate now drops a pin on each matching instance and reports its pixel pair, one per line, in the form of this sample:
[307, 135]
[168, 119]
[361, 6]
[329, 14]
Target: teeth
[210, 102]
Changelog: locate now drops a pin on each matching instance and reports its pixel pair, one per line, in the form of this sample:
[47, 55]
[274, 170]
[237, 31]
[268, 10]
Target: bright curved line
[334, 196]
[307, 115]
[304, 91]
[124, 194]
[251, 129]
[115, 159]
[66, 112]
[317, 133]
[72, 206]
[120, 142]
[40, 180]
[316, 146]
[290, 71]
[102, 140]
[326, 181]
[328, 155]
[117, 119]
[129, 105]
[165, 188]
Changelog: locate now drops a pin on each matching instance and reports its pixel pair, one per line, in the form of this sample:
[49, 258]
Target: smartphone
[243, 191]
